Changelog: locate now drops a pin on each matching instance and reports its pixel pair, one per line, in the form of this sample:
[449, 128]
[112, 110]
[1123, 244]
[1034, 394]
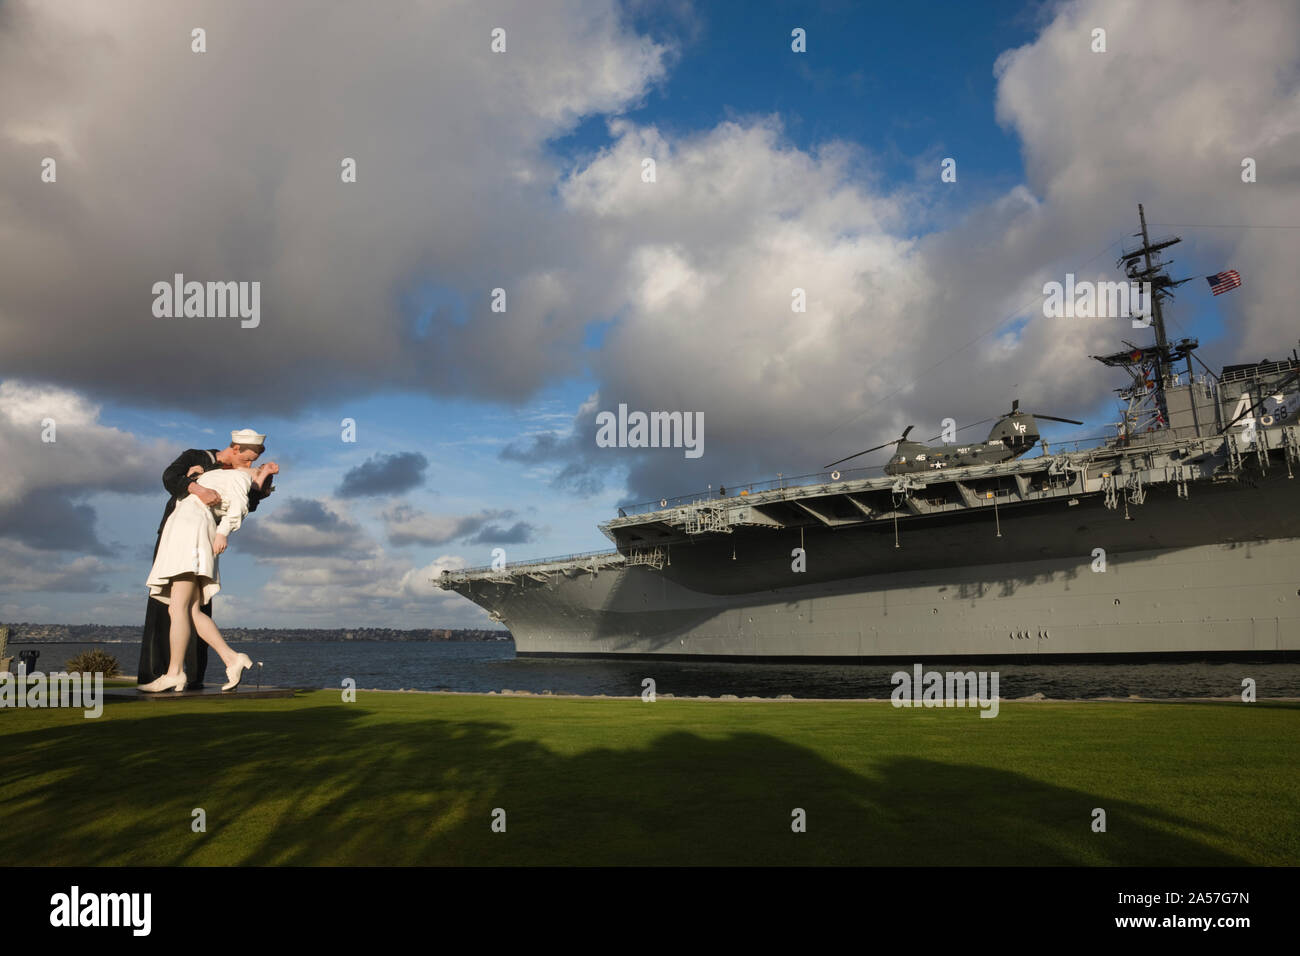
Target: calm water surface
[482, 667]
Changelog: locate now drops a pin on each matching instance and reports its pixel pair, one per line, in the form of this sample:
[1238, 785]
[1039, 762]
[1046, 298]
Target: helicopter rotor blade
[861, 453]
[870, 450]
[982, 421]
[1053, 418]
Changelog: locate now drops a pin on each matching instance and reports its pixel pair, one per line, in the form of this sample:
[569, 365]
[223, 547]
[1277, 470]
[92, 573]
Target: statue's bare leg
[184, 591]
[207, 630]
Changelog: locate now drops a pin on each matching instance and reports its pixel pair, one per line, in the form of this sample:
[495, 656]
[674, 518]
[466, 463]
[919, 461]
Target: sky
[420, 417]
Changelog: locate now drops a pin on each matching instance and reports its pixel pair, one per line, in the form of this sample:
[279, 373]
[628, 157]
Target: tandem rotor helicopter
[1014, 434]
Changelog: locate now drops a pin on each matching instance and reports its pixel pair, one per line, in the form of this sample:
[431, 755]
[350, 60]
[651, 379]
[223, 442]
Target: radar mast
[1150, 367]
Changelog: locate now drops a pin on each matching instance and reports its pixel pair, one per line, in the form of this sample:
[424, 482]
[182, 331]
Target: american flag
[1223, 281]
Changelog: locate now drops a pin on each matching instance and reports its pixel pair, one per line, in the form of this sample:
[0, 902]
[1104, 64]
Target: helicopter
[1014, 434]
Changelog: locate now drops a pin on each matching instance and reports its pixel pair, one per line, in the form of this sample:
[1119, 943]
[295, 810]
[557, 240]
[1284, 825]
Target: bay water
[481, 667]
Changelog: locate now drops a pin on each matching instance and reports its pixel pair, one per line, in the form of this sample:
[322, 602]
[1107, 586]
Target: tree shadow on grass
[345, 785]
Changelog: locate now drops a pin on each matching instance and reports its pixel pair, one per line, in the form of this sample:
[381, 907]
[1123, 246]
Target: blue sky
[903, 81]
[776, 169]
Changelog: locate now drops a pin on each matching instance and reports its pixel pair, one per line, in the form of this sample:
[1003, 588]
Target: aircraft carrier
[1178, 537]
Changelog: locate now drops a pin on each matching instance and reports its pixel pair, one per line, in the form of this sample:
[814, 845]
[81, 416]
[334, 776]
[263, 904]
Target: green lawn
[413, 779]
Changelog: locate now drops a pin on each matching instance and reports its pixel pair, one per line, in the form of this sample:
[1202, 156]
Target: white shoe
[235, 672]
[164, 683]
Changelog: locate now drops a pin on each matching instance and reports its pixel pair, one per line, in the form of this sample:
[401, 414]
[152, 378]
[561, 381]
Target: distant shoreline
[293, 640]
[131, 634]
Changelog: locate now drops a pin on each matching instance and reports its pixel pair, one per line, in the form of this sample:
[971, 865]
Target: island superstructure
[1177, 537]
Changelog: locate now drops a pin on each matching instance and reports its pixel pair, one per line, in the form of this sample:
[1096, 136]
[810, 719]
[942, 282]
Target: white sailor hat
[246, 436]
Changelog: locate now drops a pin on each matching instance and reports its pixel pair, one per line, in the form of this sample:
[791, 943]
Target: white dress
[187, 537]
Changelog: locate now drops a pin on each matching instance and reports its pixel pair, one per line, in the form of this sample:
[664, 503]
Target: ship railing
[1081, 444]
[1093, 443]
[1257, 371]
[817, 478]
[778, 483]
[512, 566]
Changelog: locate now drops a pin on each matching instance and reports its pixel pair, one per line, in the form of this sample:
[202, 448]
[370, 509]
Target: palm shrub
[93, 662]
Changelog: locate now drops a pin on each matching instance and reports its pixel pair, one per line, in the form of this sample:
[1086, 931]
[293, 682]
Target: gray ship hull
[1223, 581]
